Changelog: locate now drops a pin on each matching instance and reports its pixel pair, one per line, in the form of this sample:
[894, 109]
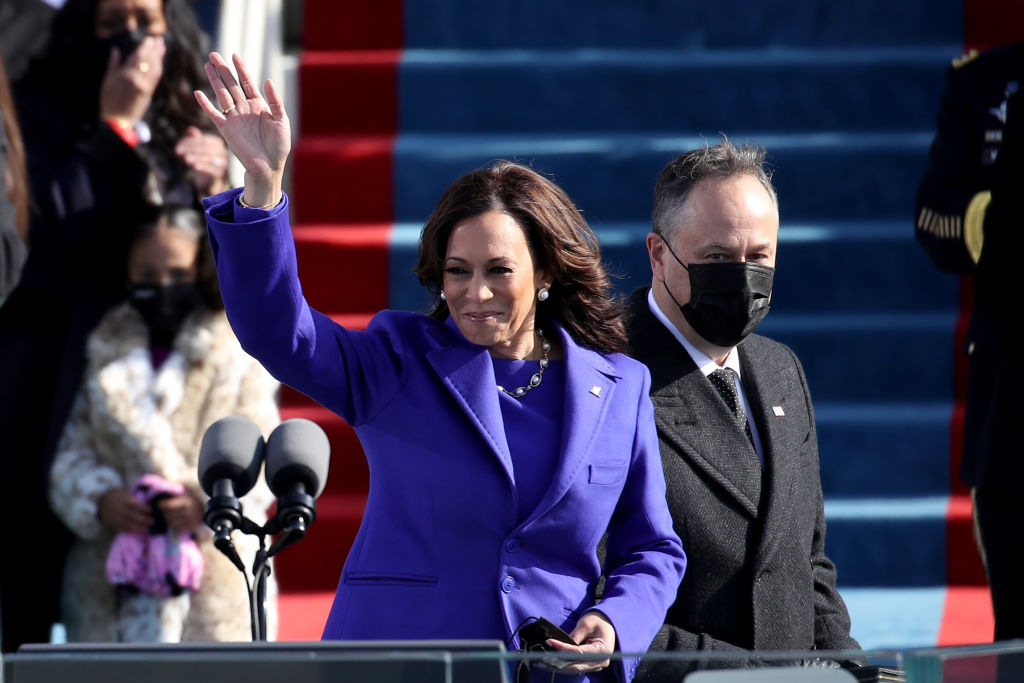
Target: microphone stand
[258, 596]
[299, 511]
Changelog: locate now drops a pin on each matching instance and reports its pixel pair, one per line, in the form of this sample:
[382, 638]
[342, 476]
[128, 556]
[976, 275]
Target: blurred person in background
[968, 221]
[14, 194]
[24, 32]
[162, 367]
[110, 126]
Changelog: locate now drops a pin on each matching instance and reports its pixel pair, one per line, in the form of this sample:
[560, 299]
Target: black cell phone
[535, 635]
[874, 673]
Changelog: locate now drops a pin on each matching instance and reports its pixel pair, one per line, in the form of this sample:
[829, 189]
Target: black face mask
[164, 308]
[727, 300]
[126, 42]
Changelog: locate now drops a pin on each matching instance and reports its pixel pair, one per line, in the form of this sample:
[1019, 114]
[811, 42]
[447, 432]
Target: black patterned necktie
[724, 380]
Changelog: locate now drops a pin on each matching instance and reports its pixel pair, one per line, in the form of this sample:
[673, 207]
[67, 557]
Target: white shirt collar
[703, 361]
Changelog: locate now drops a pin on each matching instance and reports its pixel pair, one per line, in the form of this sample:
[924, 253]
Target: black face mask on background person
[126, 42]
[164, 308]
[727, 300]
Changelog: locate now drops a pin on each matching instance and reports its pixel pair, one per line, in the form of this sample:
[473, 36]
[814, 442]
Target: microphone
[298, 455]
[229, 466]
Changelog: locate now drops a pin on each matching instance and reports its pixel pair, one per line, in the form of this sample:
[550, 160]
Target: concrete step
[624, 90]
[340, 267]
[682, 24]
[883, 450]
[819, 177]
[897, 618]
[899, 542]
[885, 357]
[633, 90]
[533, 24]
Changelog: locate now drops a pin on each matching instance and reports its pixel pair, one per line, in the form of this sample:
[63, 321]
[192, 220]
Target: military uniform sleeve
[953, 194]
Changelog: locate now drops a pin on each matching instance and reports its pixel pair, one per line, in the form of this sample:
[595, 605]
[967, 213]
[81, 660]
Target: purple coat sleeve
[640, 539]
[352, 373]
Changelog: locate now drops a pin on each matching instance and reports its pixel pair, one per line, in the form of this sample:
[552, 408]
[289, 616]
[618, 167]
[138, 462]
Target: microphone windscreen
[232, 449]
[298, 451]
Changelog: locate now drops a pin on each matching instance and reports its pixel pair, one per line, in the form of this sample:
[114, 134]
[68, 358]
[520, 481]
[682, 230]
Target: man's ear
[656, 253]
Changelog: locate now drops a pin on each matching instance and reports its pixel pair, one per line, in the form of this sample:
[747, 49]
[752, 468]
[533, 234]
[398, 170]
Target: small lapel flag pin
[779, 412]
[596, 391]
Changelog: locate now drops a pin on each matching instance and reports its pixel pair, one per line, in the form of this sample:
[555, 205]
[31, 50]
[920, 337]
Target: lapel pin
[779, 412]
[596, 391]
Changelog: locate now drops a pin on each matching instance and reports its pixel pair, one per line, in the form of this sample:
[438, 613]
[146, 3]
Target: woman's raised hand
[256, 129]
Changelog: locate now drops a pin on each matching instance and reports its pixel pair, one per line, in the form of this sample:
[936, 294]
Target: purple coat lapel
[589, 382]
[466, 371]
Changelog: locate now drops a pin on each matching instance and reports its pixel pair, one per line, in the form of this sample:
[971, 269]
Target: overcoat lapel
[466, 371]
[698, 421]
[767, 389]
[589, 385]
[691, 414]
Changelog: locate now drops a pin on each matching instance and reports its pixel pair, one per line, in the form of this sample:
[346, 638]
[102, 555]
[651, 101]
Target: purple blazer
[440, 552]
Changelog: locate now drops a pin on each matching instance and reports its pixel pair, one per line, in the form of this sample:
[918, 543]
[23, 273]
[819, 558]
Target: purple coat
[440, 552]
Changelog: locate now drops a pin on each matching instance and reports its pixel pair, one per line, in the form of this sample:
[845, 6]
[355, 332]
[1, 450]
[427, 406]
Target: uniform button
[507, 584]
[512, 545]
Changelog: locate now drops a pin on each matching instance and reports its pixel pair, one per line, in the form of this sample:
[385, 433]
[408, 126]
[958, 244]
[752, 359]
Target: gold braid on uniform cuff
[974, 222]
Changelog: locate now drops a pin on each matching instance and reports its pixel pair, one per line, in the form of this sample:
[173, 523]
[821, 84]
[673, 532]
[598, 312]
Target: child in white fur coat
[161, 368]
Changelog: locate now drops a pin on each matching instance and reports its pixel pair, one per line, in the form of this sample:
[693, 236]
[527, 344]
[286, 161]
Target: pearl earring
[443, 297]
[542, 294]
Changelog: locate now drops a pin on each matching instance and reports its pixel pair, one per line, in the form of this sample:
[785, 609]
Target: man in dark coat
[968, 220]
[735, 420]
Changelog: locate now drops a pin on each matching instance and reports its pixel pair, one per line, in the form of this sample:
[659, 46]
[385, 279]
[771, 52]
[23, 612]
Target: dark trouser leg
[999, 517]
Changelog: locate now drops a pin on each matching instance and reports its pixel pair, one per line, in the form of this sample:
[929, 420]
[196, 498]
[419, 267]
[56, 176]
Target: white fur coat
[129, 420]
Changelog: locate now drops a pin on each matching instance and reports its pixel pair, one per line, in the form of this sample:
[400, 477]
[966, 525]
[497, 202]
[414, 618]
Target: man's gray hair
[679, 176]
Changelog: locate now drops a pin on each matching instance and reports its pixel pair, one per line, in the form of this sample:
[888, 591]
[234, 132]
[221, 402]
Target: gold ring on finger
[228, 110]
[144, 67]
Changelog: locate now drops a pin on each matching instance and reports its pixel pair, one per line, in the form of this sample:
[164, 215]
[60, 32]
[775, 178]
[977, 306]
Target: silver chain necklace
[519, 392]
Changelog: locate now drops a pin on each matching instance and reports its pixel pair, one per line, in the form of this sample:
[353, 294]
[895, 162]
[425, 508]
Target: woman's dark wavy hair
[18, 192]
[191, 222]
[70, 65]
[559, 238]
